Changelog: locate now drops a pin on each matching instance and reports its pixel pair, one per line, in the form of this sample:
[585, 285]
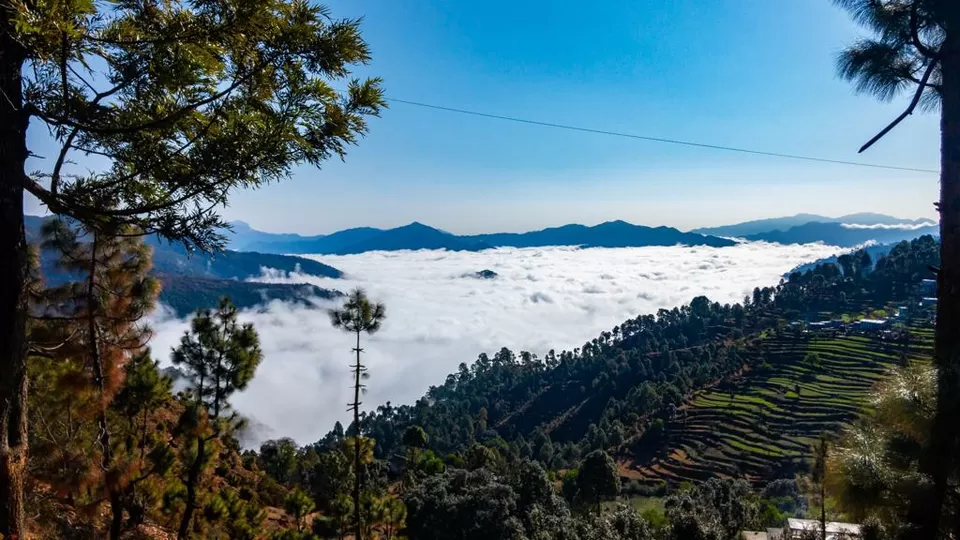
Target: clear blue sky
[749, 73]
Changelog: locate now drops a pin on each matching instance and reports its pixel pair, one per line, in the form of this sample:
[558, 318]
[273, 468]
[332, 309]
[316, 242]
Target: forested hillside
[616, 391]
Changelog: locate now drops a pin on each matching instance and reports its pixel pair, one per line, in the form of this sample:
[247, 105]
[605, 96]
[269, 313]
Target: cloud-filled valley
[890, 226]
[438, 316]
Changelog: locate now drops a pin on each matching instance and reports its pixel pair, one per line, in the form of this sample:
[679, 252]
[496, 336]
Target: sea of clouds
[890, 226]
[438, 316]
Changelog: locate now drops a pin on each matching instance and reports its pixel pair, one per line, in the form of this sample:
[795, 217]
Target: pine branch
[921, 87]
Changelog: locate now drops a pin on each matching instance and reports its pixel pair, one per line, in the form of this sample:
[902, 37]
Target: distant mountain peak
[616, 223]
[417, 225]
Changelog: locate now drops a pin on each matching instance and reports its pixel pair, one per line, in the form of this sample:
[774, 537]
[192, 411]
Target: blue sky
[748, 73]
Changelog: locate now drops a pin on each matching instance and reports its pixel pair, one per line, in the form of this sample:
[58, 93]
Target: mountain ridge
[417, 235]
[191, 281]
[837, 234]
[769, 225]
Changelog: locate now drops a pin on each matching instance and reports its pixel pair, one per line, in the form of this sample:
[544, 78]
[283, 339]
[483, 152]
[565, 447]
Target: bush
[632, 488]
[873, 529]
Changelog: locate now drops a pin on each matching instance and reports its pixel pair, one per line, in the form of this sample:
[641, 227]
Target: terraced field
[762, 426]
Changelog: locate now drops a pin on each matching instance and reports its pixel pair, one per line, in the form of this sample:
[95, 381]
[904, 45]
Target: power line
[660, 139]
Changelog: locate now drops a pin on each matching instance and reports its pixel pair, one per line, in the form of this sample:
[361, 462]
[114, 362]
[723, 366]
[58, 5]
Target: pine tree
[298, 504]
[219, 356]
[393, 515]
[96, 318]
[146, 449]
[874, 470]
[598, 479]
[415, 439]
[358, 315]
[238, 518]
[916, 49]
[246, 90]
[340, 511]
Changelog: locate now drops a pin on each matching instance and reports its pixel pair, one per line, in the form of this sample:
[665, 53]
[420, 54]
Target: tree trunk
[823, 510]
[113, 487]
[99, 377]
[356, 443]
[13, 280]
[926, 511]
[193, 476]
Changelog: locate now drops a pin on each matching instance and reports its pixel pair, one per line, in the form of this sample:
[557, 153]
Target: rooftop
[834, 528]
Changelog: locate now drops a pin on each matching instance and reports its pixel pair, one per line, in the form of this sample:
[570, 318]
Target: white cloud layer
[543, 298]
[892, 226]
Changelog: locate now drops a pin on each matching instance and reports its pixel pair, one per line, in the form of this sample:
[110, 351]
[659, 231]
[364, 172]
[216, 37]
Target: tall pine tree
[915, 48]
[146, 392]
[358, 315]
[96, 317]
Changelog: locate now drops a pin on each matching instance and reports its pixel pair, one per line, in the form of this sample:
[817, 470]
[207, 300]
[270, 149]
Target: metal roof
[833, 527]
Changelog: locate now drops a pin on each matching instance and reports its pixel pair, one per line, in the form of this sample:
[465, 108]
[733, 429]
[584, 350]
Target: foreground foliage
[181, 103]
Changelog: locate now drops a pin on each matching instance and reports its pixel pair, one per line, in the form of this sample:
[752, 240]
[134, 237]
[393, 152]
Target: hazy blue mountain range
[242, 236]
[198, 280]
[414, 236]
[329, 243]
[609, 234]
[769, 225]
[761, 225]
[173, 259]
[838, 234]
[419, 236]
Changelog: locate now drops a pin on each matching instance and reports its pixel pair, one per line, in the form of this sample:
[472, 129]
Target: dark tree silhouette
[819, 477]
[243, 93]
[415, 439]
[598, 479]
[278, 458]
[358, 315]
[917, 48]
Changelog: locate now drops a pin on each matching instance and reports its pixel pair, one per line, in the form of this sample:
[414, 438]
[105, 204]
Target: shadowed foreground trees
[598, 479]
[93, 321]
[916, 48]
[181, 103]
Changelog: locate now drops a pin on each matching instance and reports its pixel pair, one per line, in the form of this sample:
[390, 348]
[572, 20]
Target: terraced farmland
[762, 426]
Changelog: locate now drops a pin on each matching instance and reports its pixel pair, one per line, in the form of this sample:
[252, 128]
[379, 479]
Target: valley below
[440, 314]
